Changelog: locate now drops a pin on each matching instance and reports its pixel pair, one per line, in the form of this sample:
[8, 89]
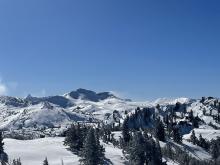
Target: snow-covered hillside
[85, 106]
[33, 152]
[49, 117]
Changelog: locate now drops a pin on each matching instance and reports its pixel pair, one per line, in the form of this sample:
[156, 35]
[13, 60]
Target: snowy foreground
[33, 152]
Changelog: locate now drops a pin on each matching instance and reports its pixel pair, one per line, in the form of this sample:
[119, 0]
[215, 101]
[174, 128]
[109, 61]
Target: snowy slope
[34, 152]
[42, 114]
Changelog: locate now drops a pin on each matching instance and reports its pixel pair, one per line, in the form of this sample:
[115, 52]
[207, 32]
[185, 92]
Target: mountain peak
[90, 95]
[29, 96]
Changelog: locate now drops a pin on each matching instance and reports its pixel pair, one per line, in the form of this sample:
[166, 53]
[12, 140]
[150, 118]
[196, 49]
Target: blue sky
[140, 49]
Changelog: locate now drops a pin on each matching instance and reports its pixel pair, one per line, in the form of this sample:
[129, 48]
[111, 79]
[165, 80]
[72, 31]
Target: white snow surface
[33, 152]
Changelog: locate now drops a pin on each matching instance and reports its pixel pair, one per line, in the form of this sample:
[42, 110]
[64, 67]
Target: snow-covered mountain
[87, 106]
[34, 117]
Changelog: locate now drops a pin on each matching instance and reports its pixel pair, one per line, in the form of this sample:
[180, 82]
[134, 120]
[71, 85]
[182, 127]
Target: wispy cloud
[6, 88]
[3, 88]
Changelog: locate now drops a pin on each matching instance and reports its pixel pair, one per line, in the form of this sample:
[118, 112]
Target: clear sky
[141, 49]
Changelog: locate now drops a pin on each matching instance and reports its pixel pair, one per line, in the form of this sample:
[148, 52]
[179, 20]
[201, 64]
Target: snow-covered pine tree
[195, 122]
[214, 150]
[101, 149]
[125, 131]
[159, 130]
[3, 155]
[155, 153]
[177, 137]
[191, 117]
[136, 149]
[193, 138]
[71, 137]
[16, 162]
[74, 137]
[45, 162]
[168, 151]
[202, 142]
[1, 143]
[90, 154]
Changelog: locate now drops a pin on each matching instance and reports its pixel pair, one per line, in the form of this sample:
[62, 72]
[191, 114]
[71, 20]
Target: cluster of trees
[3, 155]
[92, 152]
[139, 147]
[194, 120]
[202, 142]
[138, 143]
[16, 162]
[216, 106]
[141, 118]
[212, 146]
[173, 152]
[143, 149]
[85, 141]
[75, 137]
[215, 149]
[160, 130]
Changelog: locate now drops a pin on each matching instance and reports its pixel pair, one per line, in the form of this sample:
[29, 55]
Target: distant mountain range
[85, 106]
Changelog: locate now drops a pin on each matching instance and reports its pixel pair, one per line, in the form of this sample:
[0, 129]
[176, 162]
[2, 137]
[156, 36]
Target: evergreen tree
[193, 138]
[125, 131]
[3, 155]
[218, 115]
[71, 137]
[16, 162]
[203, 143]
[177, 137]
[204, 111]
[158, 106]
[214, 150]
[159, 130]
[166, 120]
[202, 100]
[147, 147]
[195, 122]
[101, 149]
[155, 153]
[136, 150]
[168, 152]
[91, 153]
[191, 117]
[177, 106]
[1, 143]
[45, 162]
[74, 137]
